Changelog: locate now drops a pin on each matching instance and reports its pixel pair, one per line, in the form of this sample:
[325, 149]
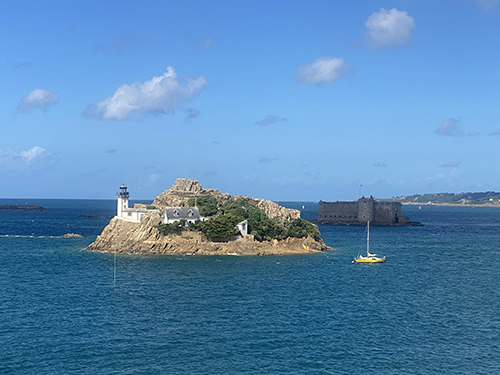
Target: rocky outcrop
[131, 237]
[183, 189]
[274, 211]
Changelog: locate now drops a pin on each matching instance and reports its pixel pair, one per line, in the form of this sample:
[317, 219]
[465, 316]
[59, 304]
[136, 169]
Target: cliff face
[131, 237]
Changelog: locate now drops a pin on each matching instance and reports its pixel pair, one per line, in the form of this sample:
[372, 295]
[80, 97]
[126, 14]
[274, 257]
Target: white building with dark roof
[185, 215]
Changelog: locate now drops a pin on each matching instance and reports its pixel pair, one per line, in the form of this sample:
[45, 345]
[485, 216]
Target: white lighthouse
[122, 200]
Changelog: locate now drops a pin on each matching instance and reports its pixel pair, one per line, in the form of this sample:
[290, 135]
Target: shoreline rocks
[141, 238]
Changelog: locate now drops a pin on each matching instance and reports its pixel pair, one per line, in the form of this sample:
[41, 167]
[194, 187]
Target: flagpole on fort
[360, 186]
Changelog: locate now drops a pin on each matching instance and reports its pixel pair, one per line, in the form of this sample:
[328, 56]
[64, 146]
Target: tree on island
[223, 219]
[207, 206]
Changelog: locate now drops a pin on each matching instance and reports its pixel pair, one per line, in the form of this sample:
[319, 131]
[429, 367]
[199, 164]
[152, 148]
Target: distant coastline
[475, 199]
[450, 204]
[22, 207]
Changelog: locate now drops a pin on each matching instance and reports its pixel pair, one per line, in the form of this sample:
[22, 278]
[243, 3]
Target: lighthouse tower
[122, 200]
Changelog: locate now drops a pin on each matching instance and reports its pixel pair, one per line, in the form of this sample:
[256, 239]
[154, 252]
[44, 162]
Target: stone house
[185, 215]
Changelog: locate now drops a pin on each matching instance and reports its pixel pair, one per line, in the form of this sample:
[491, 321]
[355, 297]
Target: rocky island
[187, 219]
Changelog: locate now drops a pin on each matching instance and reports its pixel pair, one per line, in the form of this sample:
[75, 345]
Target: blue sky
[283, 100]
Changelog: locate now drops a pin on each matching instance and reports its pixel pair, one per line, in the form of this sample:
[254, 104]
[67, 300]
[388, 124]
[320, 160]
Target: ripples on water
[433, 308]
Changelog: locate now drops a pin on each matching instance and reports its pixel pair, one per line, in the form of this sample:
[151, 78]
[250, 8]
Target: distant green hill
[487, 198]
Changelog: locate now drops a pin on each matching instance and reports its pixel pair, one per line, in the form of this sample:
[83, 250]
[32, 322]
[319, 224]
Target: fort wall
[366, 209]
[360, 212]
[346, 212]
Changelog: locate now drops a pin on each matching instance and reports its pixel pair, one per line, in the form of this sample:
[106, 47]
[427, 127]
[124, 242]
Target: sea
[432, 308]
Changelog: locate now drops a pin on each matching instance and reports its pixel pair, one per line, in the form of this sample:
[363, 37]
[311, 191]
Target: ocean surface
[432, 308]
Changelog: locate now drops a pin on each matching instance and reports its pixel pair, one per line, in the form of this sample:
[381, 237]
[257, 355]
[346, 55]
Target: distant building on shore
[360, 212]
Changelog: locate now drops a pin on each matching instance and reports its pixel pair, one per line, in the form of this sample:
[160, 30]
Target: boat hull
[372, 260]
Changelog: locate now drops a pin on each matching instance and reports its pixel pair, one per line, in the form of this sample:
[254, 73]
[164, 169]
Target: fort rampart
[360, 212]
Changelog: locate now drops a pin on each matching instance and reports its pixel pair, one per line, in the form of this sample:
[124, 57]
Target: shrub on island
[207, 206]
[229, 215]
[172, 228]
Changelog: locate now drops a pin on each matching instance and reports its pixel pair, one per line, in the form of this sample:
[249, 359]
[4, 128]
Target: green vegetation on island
[223, 218]
[488, 198]
[208, 206]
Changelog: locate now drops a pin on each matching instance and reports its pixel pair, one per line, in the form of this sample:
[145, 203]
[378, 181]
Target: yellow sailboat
[369, 258]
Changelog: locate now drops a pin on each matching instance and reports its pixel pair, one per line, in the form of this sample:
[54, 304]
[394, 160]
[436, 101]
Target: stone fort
[360, 212]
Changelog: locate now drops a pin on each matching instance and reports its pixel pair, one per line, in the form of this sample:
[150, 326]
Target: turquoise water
[432, 308]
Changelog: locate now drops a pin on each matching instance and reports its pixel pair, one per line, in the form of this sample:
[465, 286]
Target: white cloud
[269, 120]
[487, 4]
[211, 173]
[453, 163]
[191, 114]
[323, 70]
[36, 158]
[158, 95]
[389, 28]
[250, 178]
[37, 98]
[121, 43]
[266, 160]
[449, 127]
[206, 43]
[22, 65]
[152, 179]
[495, 133]
[441, 180]
[32, 153]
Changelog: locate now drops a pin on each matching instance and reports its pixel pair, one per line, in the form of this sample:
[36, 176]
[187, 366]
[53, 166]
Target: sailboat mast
[368, 240]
